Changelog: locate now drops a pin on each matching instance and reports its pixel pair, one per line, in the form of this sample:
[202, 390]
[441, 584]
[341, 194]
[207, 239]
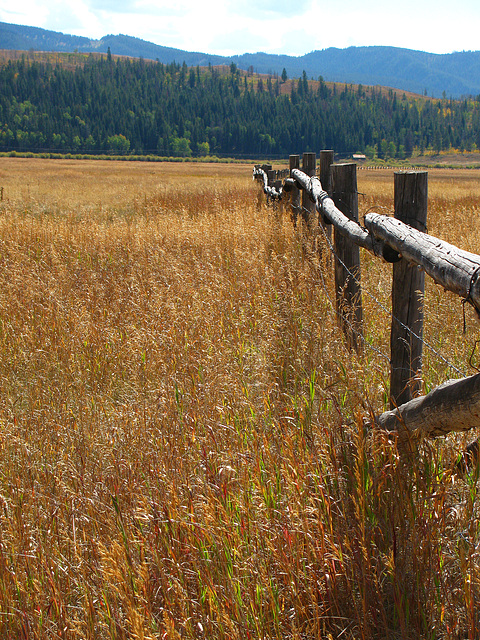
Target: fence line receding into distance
[332, 201]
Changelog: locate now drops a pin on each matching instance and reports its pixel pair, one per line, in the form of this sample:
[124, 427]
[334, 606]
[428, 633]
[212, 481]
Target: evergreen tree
[125, 105]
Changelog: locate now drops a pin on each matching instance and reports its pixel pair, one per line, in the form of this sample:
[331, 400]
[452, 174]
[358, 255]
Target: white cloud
[31, 13]
[68, 16]
[241, 40]
[114, 6]
[298, 42]
[276, 26]
[74, 18]
[264, 10]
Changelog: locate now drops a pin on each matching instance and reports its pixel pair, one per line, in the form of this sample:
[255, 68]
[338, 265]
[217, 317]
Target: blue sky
[273, 26]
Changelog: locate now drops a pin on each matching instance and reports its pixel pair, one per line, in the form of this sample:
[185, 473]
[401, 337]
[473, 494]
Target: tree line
[109, 105]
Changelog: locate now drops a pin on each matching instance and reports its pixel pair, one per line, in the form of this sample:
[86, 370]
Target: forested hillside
[120, 105]
[454, 74]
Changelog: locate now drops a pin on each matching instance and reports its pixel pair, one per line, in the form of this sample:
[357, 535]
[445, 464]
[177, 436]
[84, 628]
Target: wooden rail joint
[326, 207]
[452, 268]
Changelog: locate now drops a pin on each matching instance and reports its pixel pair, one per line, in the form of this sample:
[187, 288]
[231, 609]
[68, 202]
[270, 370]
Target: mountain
[455, 75]
[22, 38]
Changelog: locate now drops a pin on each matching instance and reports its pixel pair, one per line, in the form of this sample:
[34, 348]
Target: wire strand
[382, 306]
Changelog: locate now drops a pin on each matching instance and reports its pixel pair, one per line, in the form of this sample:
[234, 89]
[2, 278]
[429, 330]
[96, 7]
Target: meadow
[182, 442]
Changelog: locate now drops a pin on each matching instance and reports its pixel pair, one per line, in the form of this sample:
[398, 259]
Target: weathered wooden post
[309, 167]
[295, 198]
[326, 161]
[271, 175]
[347, 257]
[408, 289]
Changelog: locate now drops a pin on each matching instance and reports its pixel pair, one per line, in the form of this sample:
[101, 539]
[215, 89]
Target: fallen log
[452, 406]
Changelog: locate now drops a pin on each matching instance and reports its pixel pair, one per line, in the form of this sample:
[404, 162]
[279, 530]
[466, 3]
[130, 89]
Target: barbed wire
[333, 306]
[409, 330]
[350, 324]
[381, 306]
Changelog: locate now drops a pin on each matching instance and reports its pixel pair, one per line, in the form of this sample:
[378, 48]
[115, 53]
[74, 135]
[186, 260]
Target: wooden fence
[331, 200]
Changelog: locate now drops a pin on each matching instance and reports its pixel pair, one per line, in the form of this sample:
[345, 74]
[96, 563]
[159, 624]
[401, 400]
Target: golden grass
[182, 449]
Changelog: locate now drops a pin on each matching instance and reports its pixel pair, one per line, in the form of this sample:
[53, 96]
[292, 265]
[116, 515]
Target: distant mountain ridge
[455, 75]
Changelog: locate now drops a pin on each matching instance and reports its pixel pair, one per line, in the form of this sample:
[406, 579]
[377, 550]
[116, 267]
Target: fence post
[347, 257]
[408, 289]
[309, 166]
[271, 175]
[295, 164]
[326, 161]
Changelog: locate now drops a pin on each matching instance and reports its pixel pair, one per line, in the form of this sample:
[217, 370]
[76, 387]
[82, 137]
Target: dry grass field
[182, 451]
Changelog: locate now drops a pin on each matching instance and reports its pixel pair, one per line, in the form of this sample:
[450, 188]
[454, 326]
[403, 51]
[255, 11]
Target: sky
[274, 26]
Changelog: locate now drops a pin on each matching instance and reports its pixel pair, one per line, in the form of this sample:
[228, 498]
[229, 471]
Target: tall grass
[181, 427]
